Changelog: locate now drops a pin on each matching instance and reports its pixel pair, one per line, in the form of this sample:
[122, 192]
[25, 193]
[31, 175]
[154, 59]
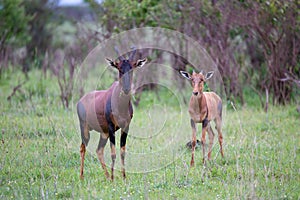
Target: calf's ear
[186, 75]
[209, 75]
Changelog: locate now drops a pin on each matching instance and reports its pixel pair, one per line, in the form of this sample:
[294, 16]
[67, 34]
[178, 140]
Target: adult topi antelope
[203, 108]
[106, 111]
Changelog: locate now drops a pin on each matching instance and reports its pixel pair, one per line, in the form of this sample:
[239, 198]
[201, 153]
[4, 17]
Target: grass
[40, 153]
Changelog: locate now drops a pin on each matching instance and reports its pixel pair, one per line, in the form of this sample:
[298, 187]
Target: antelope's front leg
[122, 152]
[204, 129]
[194, 132]
[113, 149]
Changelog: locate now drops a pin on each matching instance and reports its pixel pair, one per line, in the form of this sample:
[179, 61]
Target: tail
[85, 136]
[220, 108]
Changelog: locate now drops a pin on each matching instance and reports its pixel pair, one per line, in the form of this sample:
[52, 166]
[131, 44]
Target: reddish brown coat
[203, 108]
[106, 111]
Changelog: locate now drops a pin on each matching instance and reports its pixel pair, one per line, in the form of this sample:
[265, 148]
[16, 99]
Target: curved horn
[121, 58]
[132, 54]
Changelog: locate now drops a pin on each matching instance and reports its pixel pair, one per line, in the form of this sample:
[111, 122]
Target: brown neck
[120, 101]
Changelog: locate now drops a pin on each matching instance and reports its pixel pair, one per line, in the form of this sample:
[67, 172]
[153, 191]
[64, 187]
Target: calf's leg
[194, 132]
[220, 136]
[204, 129]
[211, 136]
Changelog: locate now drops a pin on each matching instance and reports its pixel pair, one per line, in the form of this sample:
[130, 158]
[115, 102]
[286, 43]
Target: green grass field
[40, 152]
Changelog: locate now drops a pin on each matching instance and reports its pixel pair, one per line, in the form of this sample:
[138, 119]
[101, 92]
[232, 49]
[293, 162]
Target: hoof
[222, 154]
[192, 164]
[189, 144]
[107, 176]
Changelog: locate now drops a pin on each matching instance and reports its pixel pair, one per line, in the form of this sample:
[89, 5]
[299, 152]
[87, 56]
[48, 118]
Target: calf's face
[197, 80]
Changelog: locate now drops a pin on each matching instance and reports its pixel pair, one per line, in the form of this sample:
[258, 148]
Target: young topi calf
[203, 108]
[106, 111]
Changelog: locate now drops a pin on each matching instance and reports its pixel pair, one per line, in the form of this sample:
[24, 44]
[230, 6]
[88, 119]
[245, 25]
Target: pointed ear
[186, 75]
[140, 63]
[112, 63]
[209, 75]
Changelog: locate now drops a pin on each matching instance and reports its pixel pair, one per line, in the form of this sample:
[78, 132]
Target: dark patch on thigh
[123, 139]
[81, 111]
[111, 131]
[108, 112]
[111, 125]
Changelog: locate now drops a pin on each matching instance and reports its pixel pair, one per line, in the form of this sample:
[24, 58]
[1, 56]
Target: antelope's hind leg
[82, 154]
[100, 152]
[85, 137]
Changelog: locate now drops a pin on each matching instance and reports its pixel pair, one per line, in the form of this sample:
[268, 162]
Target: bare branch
[15, 89]
[291, 77]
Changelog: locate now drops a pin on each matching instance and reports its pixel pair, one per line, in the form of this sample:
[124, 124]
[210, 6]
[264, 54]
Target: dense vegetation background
[255, 45]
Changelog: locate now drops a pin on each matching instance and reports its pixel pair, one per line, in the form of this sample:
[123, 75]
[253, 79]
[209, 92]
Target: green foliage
[39, 30]
[63, 35]
[35, 89]
[13, 24]
[123, 15]
[25, 23]
[161, 96]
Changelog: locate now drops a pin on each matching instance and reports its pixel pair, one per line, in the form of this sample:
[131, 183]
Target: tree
[205, 22]
[39, 30]
[13, 27]
[231, 31]
[276, 25]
